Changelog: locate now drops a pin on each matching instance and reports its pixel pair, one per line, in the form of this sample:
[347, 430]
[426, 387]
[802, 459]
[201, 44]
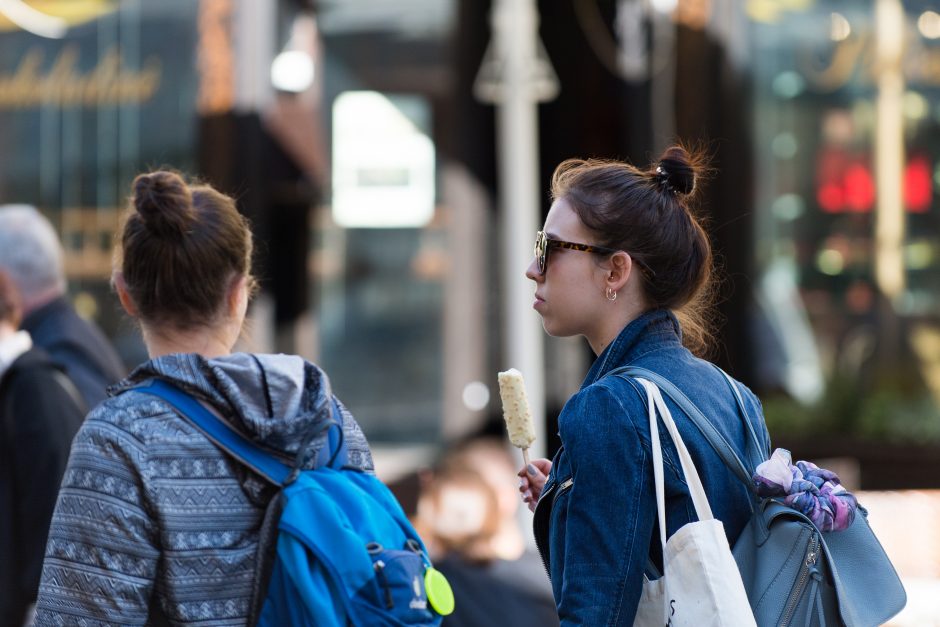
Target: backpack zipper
[379, 567]
[811, 555]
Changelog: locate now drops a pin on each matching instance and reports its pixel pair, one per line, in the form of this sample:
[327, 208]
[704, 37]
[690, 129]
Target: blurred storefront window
[90, 94]
[380, 312]
[846, 125]
[383, 254]
[326, 122]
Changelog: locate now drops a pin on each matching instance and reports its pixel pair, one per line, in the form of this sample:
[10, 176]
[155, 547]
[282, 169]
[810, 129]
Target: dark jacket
[153, 519]
[38, 418]
[595, 523]
[501, 592]
[78, 346]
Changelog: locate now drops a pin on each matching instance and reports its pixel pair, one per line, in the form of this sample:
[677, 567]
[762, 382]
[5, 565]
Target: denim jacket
[595, 523]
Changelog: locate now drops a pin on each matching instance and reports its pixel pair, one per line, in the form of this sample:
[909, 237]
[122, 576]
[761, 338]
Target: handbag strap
[237, 445]
[755, 451]
[708, 430]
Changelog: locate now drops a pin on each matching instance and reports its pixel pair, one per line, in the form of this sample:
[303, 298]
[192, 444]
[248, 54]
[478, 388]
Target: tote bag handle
[696, 490]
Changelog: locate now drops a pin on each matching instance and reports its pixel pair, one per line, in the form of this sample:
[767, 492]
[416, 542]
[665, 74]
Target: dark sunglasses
[543, 244]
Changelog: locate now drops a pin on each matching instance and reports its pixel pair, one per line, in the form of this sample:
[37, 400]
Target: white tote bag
[701, 585]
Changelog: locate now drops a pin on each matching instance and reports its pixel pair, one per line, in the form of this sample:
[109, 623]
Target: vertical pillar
[521, 82]
[889, 174]
[889, 148]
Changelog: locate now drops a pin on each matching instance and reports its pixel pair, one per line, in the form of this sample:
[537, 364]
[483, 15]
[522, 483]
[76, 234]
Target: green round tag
[440, 595]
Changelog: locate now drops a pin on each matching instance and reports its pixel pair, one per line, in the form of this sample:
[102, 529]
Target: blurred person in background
[467, 514]
[39, 414]
[623, 261]
[154, 523]
[31, 253]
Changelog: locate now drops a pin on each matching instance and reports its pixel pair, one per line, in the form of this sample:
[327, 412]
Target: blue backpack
[345, 551]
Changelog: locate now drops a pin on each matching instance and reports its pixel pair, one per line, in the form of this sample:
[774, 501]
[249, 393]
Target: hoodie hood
[275, 400]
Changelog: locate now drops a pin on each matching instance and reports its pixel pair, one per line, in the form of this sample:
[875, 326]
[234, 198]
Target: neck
[602, 339]
[611, 325]
[207, 343]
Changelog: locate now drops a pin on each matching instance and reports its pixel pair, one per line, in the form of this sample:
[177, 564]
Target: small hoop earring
[611, 295]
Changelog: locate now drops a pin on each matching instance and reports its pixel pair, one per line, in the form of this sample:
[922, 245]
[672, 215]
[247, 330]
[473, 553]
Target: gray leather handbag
[793, 573]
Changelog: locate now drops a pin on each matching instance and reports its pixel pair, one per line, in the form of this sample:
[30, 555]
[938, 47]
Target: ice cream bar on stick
[516, 411]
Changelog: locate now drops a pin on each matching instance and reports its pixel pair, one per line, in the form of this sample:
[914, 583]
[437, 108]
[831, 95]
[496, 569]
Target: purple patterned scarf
[814, 491]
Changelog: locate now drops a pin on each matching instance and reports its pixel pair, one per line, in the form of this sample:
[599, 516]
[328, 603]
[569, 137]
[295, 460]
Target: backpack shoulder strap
[66, 384]
[714, 437]
[39, 361]
[333, 454]
[226, 438]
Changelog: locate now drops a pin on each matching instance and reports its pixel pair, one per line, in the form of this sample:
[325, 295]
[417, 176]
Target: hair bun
[164, 202]
[676, 171]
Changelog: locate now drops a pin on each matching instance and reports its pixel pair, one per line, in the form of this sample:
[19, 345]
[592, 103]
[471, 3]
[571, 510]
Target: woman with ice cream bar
[623, 260]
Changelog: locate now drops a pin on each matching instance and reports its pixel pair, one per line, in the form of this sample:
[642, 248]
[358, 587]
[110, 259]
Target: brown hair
[649, 214]
[182, 245]
[11, 307]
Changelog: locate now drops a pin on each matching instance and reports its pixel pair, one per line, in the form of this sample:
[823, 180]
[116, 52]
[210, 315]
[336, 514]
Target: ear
[619, 269]
[117, 280]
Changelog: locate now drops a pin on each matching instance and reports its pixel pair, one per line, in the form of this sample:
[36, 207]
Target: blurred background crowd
[393, 158]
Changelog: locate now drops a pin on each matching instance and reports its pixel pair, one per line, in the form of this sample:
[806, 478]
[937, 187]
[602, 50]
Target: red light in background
[918, 188]
[845, 184]
[830, 197]
[859, 188]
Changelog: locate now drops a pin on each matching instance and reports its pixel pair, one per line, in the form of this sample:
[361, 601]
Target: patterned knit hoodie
[153, 522]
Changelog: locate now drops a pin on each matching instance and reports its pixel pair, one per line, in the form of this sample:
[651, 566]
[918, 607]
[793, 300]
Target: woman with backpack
[623, 260]
[154, 523]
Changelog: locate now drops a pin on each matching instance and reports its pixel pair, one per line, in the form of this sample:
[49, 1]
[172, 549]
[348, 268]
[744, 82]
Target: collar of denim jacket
[649, 331]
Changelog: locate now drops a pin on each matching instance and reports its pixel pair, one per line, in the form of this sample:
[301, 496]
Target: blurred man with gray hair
[30, 252]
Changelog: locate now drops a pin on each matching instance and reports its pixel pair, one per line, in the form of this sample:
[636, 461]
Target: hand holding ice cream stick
[516, 411]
